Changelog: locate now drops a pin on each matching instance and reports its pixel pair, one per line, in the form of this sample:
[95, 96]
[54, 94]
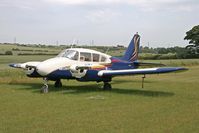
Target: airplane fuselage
[80, 68]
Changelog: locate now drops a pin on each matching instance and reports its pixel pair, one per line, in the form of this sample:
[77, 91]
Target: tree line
[190, 51]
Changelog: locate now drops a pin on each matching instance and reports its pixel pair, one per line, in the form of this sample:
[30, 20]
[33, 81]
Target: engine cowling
[78, 71]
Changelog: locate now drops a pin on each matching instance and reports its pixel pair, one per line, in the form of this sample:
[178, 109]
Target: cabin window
[103, 59]
[96, 57]
[84, 56]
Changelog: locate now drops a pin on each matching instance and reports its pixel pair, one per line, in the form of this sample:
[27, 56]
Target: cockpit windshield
[71, 54]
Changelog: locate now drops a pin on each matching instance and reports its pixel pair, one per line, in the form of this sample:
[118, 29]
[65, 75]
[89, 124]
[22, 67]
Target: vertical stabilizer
[131, 53]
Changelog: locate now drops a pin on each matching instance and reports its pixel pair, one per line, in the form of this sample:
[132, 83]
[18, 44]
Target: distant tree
[8, 53]
[162, 50]
[146, 49]
[193, 37]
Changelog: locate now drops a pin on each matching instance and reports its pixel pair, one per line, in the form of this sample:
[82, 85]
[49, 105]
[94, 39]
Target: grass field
[168, 103]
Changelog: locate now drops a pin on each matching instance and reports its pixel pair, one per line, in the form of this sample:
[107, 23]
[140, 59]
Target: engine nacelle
[78, 71]
[76, 68]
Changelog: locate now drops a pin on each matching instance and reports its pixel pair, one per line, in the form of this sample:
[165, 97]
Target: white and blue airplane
[90, 65]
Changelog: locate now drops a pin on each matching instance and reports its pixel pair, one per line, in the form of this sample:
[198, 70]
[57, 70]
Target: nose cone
[42, 69]
[48, 66]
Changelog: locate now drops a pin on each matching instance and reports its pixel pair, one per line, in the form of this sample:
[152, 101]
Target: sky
[161, 23]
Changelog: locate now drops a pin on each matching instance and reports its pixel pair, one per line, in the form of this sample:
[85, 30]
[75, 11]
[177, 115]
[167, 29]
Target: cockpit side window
[96, 57]
[76, 56]
[84, 56]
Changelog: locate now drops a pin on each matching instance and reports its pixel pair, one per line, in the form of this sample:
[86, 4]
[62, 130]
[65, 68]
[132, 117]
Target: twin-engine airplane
[90, 65]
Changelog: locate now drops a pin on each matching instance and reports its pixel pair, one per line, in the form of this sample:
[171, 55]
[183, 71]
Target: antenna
[77, 42]
[15, 40]
[57, 43]
[107, 50]
[73, 43]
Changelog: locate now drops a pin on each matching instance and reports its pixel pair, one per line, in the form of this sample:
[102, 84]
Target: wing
[140, 71]
[26, 65]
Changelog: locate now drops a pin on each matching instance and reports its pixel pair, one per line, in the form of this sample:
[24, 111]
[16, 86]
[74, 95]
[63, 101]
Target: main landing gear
[107, 86]
[58, 84]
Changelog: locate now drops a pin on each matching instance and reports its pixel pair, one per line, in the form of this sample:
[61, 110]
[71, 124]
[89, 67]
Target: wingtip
[183, 69]
[12, 65]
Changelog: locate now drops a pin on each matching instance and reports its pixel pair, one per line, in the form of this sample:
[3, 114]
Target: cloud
[20, 4]
[102, 16]
[148, 5]
[104, 2]
[71, 2]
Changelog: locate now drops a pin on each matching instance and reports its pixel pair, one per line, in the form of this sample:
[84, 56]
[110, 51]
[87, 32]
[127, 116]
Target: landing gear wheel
[44, 89]
[107, 86]
[58, 84]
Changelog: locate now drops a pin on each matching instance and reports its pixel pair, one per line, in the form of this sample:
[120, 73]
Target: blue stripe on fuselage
[118, 64]
[60, 74]
[91, 75]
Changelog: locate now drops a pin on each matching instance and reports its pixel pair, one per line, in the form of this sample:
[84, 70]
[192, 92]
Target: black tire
[58, 84]
[107, 86]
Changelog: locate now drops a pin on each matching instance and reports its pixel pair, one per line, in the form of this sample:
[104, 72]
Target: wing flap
[140, 71]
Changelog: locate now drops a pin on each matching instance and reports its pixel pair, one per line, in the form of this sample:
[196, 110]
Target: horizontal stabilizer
[143, 64]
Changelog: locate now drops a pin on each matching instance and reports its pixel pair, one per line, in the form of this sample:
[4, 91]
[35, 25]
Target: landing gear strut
[107, 86]
[58, 83]
[44, 88]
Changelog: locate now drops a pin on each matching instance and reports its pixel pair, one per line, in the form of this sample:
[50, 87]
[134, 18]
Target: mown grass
[176, 62]
[168, 103]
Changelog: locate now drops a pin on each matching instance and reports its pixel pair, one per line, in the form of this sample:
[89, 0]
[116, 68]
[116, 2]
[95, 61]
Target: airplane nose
[48, 66]
[42, 70]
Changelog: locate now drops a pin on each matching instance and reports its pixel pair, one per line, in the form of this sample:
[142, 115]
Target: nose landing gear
[44, 88]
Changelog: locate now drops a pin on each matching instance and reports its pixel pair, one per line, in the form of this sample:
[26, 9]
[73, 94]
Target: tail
[131, 53]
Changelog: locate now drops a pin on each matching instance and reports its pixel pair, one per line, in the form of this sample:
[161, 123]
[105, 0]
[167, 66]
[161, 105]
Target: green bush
[8, 53]
[167, 56]
[150, 56]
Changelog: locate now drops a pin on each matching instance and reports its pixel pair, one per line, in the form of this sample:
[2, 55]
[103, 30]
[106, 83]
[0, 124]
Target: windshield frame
[70, 54]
